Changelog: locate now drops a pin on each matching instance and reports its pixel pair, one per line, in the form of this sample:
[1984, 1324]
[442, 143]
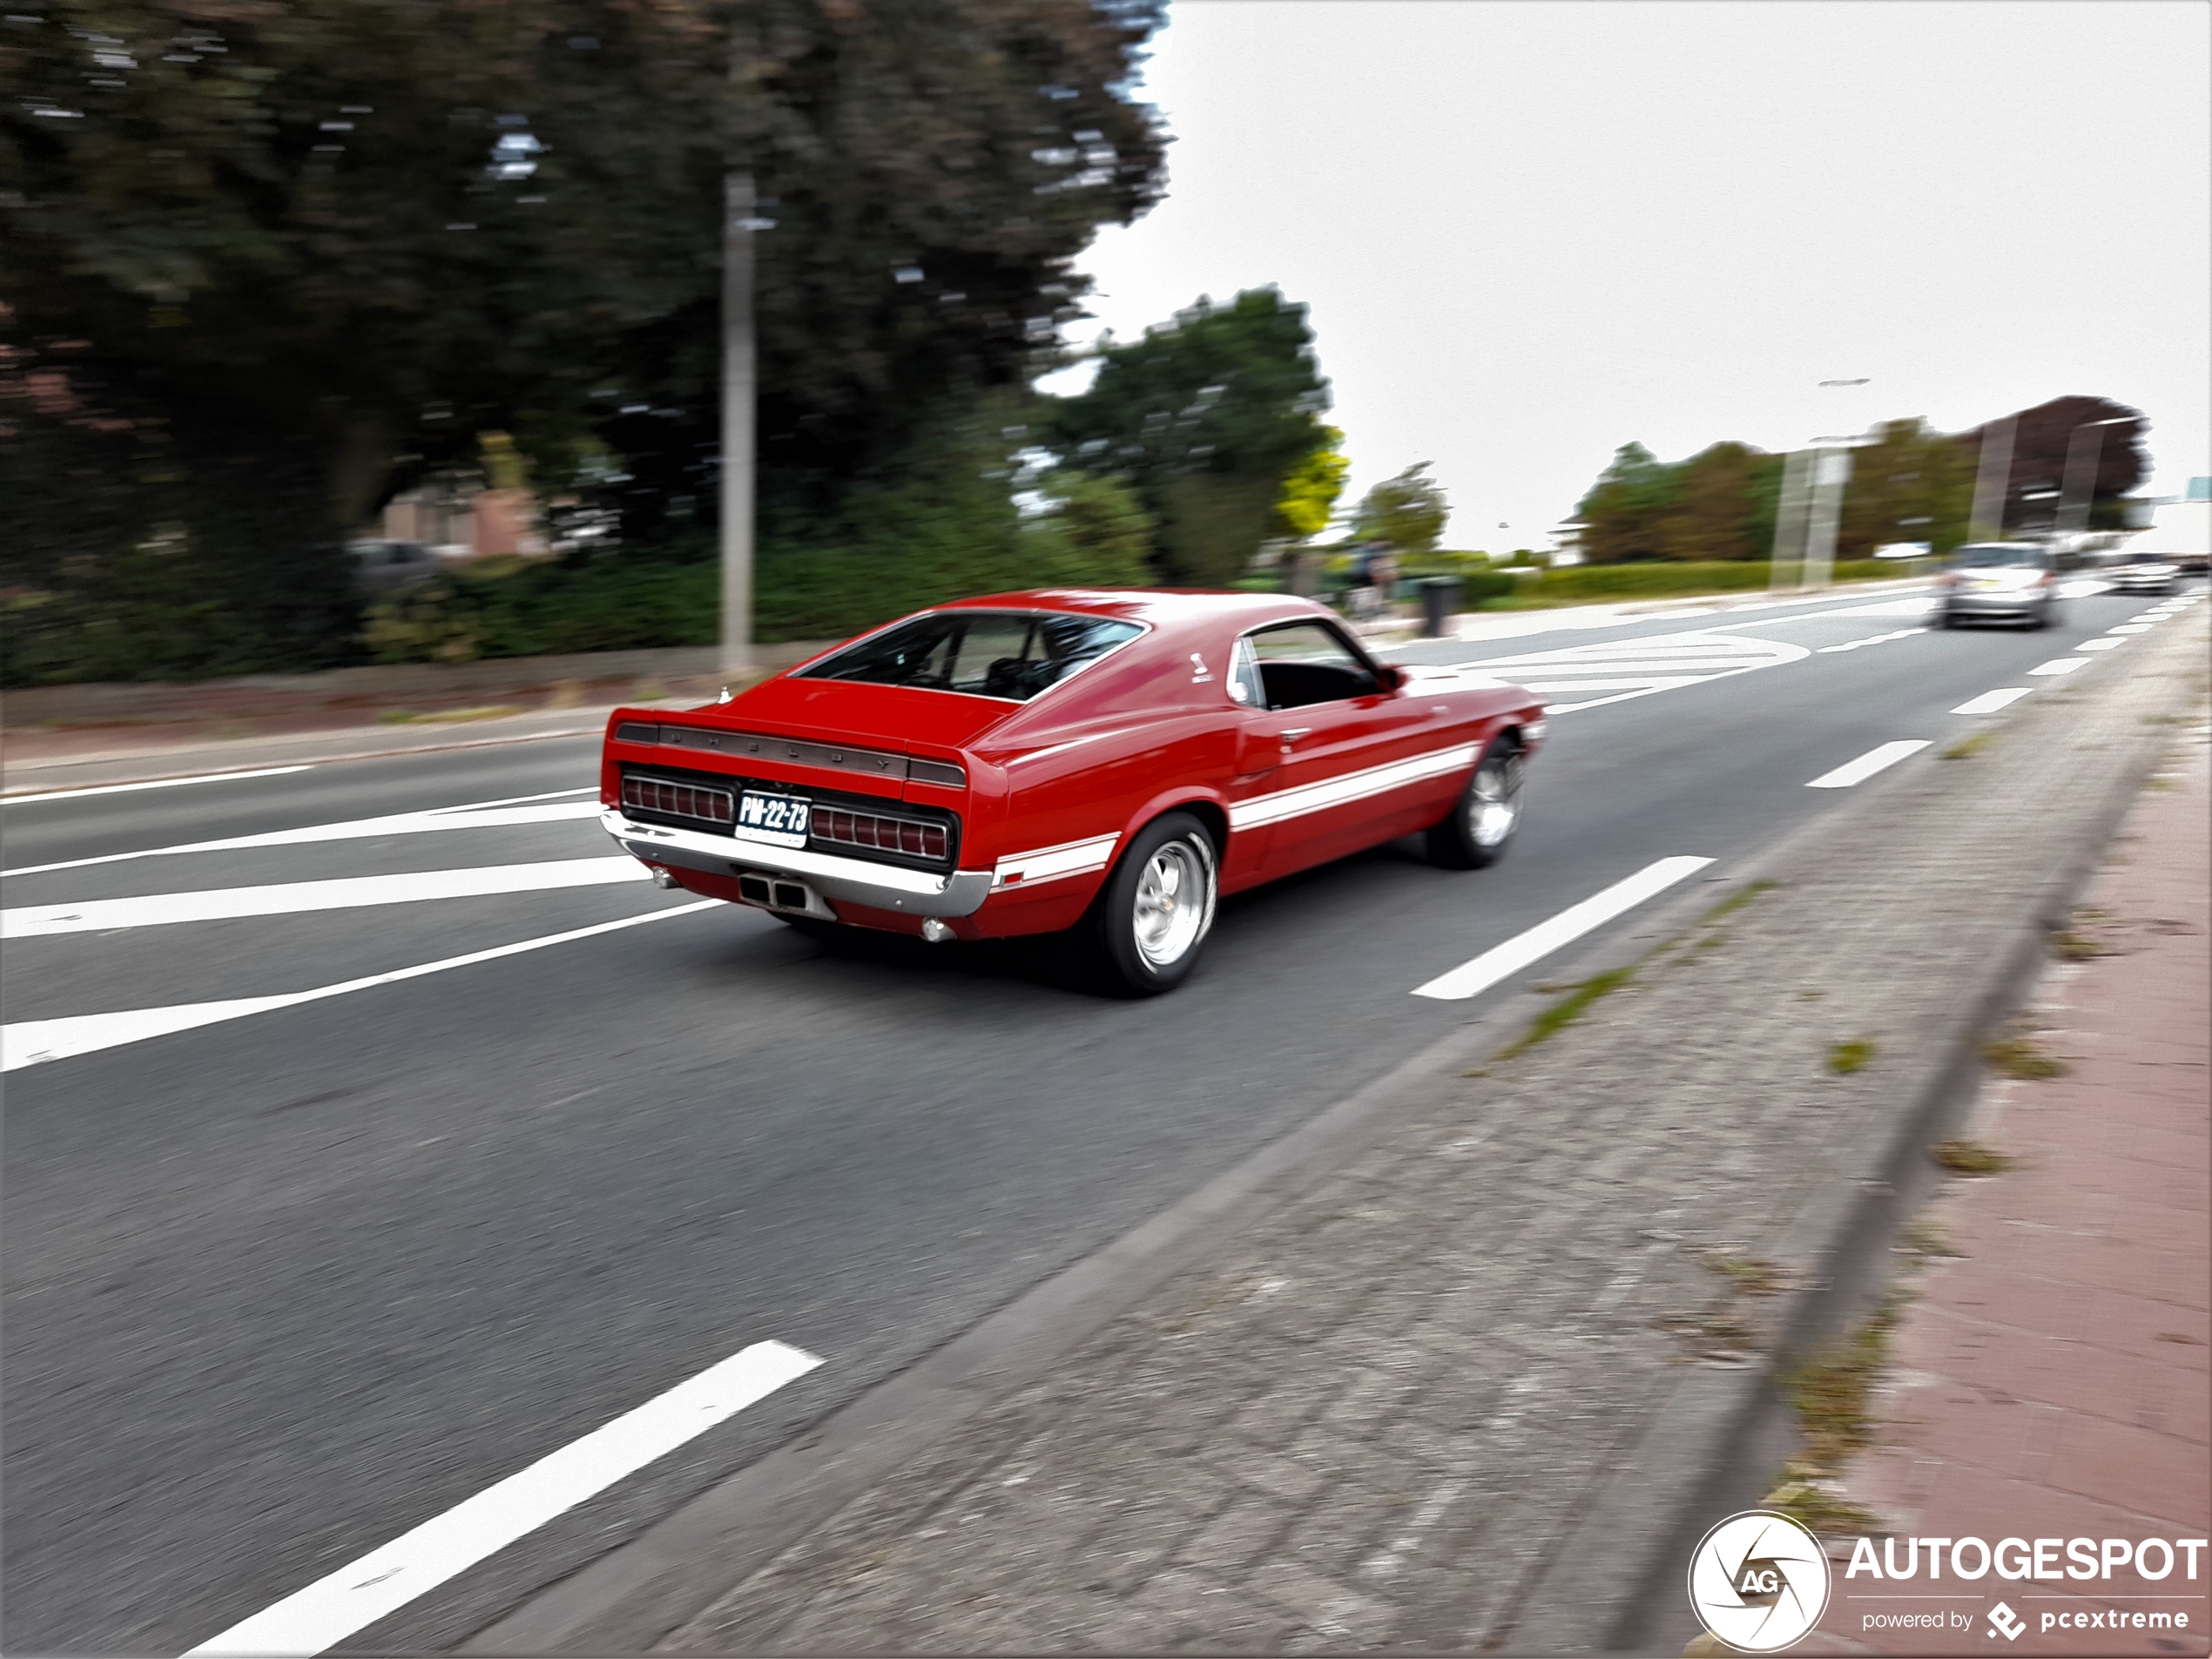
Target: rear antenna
[724, 697]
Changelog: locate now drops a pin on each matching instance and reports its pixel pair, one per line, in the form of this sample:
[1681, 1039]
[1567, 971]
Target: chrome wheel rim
[1174, 902]
[1494, 803]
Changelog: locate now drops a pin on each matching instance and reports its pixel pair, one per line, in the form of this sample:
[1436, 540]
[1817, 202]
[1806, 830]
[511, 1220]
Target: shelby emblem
[1758, 1582]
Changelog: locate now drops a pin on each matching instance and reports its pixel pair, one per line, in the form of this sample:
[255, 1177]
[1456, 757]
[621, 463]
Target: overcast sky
[1530, 231]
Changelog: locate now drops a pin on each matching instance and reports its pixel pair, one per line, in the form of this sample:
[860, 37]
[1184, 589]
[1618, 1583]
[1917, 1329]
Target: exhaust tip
[936, 931]
[662, 879]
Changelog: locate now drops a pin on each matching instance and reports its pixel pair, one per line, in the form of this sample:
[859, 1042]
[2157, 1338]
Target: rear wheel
[1157, 907]
[1480, 825]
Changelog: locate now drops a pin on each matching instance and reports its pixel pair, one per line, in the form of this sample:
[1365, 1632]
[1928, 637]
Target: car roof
[1163, 608]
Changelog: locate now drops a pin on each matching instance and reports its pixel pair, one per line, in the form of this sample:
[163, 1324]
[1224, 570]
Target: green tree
[1620, 515]
[1912, 484]
[330, 242]
[1407, 511]
[1712, 512]
[1309, 496]
[1208, 416]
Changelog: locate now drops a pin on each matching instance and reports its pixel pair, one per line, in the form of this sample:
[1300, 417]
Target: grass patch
[1928, 1240]
[1810, 997]
[1844, 1058]
[1735, 901]
[1970, 1157]
[1564, 1012]
[1812, 1505]
[1833, 1391]
[1753, 1275]
[438, 716]
[2018, 1054]
[2071, 946]
[1972, 744]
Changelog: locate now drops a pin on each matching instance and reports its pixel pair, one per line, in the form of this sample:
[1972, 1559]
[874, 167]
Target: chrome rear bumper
[860, 881]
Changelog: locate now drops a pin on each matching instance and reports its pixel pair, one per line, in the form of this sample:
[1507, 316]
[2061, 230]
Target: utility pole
[739, 395]
[2077, 493]
[1785, 567]
[1993, 481]
[1831, 471]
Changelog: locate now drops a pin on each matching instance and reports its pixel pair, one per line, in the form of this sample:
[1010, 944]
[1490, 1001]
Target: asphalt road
[287, 1284]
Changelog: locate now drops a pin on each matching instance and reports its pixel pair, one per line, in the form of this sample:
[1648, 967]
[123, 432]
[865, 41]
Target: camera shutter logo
[1759, 1581]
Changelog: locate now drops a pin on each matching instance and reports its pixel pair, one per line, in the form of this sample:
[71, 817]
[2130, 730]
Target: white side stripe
[1356, 785]
[1502, 961]
[1050, 863]
[30, 1042]
[359, 1593]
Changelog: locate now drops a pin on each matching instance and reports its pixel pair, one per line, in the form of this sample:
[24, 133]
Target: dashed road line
[1872, 639]
[1990, 702]
[1881, 759]
[2060, 665]
[1502, 962]
[385, 1580]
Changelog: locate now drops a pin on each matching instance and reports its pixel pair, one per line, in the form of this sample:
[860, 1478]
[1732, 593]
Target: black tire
[1146, 925]
[1480, 825]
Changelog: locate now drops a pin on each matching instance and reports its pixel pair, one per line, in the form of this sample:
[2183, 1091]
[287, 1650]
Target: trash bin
[1439, 595]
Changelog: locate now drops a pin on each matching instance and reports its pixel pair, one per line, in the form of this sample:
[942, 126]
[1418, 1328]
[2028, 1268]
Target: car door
[1337, 734]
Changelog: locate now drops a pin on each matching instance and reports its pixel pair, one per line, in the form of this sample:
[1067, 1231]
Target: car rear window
[1011, 654]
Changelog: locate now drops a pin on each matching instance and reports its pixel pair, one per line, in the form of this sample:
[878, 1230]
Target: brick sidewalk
[2052, 1380]
[1388, 1415]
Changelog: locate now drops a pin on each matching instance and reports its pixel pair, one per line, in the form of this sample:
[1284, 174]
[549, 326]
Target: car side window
[1244, 683]
[1304, 662]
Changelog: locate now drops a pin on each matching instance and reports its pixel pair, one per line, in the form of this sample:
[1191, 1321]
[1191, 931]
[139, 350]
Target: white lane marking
[1914, 607]
[2060, 665]
[2101, 645]
[2130, 627]
[1873, 639]
[292, 898]
[1655, 663]
[1501, 961]
[488, 815]
[1990, 702]
[31, 1042]
[157, 782]
[1874, 760]
[359, 1593]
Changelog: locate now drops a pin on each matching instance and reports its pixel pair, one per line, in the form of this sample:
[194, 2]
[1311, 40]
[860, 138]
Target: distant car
[381, 566]
[1111, 762]
[2142, 573]
[1998, 582]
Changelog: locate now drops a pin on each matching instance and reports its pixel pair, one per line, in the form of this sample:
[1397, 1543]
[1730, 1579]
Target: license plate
[780, 820]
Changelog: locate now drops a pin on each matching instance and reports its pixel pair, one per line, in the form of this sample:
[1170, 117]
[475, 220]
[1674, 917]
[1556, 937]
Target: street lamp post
[1993, 481]
[1830, 472]
[2078, 489]
[739, 400]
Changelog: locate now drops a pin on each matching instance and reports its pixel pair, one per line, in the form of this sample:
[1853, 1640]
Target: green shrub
[1660, 579]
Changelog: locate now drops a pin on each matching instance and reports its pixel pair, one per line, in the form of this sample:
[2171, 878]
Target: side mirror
[1390, 677]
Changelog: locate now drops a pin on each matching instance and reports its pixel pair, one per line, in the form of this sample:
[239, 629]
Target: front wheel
[1480, 825]
[1157, 907]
